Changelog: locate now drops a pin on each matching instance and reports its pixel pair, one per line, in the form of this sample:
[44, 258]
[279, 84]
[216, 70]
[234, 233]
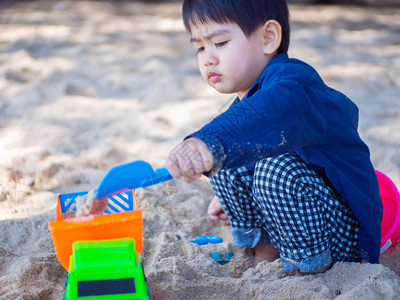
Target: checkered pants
[300, 212]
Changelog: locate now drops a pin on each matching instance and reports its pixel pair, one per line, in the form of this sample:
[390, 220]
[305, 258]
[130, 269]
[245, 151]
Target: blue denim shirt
[290, 108]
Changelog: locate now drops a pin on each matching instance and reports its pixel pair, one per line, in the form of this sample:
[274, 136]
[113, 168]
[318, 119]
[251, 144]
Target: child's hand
[189, 159]
[216, 212]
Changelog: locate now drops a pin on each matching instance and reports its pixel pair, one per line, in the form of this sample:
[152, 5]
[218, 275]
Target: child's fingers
[198, 164]
[223, 216]
[198, 155]
[180, 169]
[195, 152]
[216, 212]
[214, 217]
[225, 222]
[186, 167]
[189, 179]
[173, 166]
[204, 160]
[189, 159]
[178, 164]
[207, 159]
[214, 207]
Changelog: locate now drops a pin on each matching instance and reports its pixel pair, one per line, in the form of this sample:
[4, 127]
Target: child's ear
[272, 36]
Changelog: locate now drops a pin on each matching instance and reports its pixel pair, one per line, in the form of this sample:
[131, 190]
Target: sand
[85, 86]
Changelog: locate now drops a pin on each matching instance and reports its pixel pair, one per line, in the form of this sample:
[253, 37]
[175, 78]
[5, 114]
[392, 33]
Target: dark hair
[247, 14]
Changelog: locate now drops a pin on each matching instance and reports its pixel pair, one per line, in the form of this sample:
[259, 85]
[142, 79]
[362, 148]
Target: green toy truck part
[106, 269]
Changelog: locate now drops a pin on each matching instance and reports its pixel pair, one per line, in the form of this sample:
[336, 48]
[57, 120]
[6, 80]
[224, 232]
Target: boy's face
[229, 61]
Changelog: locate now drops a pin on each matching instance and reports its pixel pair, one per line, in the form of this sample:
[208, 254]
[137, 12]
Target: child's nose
[210, 58]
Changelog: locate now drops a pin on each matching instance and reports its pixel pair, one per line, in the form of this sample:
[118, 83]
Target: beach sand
[85, 86]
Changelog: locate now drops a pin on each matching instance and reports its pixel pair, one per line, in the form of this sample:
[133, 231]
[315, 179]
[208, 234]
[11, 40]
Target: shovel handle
[158, 176]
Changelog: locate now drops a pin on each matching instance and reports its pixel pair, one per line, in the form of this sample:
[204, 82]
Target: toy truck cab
[109, 269]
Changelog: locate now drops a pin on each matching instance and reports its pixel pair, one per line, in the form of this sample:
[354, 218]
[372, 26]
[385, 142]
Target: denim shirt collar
[279, 58]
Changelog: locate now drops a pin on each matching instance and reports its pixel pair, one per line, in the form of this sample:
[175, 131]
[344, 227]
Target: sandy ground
[85, 86]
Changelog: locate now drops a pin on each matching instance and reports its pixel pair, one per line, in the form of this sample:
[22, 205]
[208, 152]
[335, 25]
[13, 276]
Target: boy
[285, 160]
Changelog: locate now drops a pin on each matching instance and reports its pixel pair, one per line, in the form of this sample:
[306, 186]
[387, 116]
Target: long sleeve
[276, 119]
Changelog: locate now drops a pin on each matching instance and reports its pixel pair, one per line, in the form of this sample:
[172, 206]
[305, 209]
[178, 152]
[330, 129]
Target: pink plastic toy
[390, 226]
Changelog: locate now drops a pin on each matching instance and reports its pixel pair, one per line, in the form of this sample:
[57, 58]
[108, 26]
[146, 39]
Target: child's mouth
[214, 77]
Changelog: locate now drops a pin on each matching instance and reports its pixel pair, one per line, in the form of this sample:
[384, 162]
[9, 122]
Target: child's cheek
[204, 74]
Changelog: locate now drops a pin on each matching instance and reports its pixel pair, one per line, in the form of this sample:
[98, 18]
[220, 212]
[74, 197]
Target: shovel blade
[130, 176]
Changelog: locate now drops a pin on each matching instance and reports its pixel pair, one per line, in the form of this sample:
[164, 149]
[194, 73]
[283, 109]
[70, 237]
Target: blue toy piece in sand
[206, 239]
[217, 256]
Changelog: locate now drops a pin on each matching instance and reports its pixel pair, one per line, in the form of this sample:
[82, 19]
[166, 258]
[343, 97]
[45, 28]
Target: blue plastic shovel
[130, 176]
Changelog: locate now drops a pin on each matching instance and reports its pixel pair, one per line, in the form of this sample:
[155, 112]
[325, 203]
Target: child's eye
[221, 44]
[200, 49]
